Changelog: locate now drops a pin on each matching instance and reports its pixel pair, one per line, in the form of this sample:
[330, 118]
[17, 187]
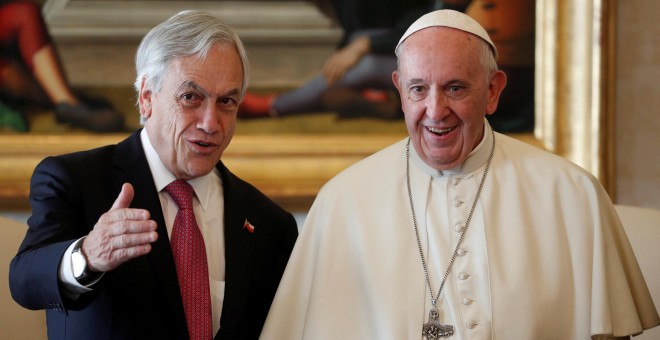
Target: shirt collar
[474, 161]
[163, 177]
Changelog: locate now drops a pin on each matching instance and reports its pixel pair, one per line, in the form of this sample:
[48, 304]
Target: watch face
[78, 264]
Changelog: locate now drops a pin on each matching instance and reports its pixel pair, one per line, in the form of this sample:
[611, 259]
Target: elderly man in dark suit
[154, 238]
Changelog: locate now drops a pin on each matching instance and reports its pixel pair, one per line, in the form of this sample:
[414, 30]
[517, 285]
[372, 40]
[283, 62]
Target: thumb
[125, 197]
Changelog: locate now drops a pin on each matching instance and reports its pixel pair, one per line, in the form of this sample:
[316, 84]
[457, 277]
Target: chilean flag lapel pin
[247, 225]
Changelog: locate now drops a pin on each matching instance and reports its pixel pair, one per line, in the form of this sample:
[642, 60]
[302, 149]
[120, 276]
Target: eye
[417, 89]
[417, 92]
[190, 99]
[228, 103]
[456, 91]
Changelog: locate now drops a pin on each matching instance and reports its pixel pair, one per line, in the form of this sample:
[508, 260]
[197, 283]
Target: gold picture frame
[574, 111]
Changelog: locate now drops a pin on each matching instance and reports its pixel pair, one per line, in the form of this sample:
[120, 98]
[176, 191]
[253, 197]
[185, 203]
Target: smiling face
[446, 91]
[191, 119]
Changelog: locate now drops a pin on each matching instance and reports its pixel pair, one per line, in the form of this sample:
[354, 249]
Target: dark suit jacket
[140, 299]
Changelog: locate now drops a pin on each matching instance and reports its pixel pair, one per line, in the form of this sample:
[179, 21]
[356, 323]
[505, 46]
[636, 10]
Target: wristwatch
[79, 266]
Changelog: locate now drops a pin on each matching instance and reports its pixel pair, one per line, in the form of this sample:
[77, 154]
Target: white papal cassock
[544, 257]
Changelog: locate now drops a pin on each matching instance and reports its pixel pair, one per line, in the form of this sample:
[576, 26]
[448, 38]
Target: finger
[125, 197]
[125, 254]
[133, 240]
[107, 253]
[127, 227]
[125, 215]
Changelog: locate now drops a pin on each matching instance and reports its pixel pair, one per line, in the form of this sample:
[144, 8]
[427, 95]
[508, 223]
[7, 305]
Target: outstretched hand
[121, 234]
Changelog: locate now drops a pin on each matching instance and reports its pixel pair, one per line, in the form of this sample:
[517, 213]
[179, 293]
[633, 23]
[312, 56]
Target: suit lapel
[131, 167]
[239, 251]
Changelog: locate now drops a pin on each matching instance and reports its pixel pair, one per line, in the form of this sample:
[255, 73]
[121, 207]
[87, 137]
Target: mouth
[203, 145]
[439, 131]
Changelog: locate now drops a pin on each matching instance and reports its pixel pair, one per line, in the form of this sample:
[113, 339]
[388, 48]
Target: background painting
[288, 42]
[97, 39]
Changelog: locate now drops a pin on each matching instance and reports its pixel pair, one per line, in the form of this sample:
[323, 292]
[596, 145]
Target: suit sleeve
[52, 227]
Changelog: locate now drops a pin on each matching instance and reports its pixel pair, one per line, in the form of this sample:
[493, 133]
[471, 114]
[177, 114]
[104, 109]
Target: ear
[495, 88]
[395, 80]
[145, 99]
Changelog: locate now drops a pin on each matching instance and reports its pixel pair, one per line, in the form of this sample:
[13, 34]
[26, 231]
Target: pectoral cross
[433, 329]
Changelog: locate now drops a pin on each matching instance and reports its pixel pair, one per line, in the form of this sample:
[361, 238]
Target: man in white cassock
[458, 231]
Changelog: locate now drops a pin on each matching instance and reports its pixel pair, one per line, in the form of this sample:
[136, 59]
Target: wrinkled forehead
[442, 54]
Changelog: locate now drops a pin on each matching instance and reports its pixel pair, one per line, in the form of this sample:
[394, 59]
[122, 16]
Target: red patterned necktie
[190, 260]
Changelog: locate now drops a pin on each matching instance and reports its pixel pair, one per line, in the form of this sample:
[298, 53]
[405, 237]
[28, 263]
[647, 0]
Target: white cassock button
[467, 301]
[457, 203]
[461, 251]
[463, 275]
[471, 324]
[459, 228]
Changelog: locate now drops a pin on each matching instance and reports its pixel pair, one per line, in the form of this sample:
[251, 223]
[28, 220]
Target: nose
[437, 105]
[209, 120]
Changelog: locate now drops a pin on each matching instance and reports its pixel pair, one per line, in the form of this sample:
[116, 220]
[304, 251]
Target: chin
[198, 170]
[443, 163]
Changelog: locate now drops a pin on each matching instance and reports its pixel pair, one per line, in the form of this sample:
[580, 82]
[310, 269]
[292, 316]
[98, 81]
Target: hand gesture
[121, 234]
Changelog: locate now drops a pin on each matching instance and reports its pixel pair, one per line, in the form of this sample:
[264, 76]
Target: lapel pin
[247, 225]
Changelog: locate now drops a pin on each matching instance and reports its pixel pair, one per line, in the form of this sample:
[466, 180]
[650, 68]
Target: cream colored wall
[638, 103]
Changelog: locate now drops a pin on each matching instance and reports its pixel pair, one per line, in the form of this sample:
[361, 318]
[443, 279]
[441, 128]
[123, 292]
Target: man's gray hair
[187, 33]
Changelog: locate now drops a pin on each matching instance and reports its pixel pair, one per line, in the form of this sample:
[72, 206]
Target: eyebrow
[450, 82]
[414, 81]
[194, 86]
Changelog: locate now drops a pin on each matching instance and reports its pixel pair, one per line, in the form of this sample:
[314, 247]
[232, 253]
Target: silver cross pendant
[433, 329]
